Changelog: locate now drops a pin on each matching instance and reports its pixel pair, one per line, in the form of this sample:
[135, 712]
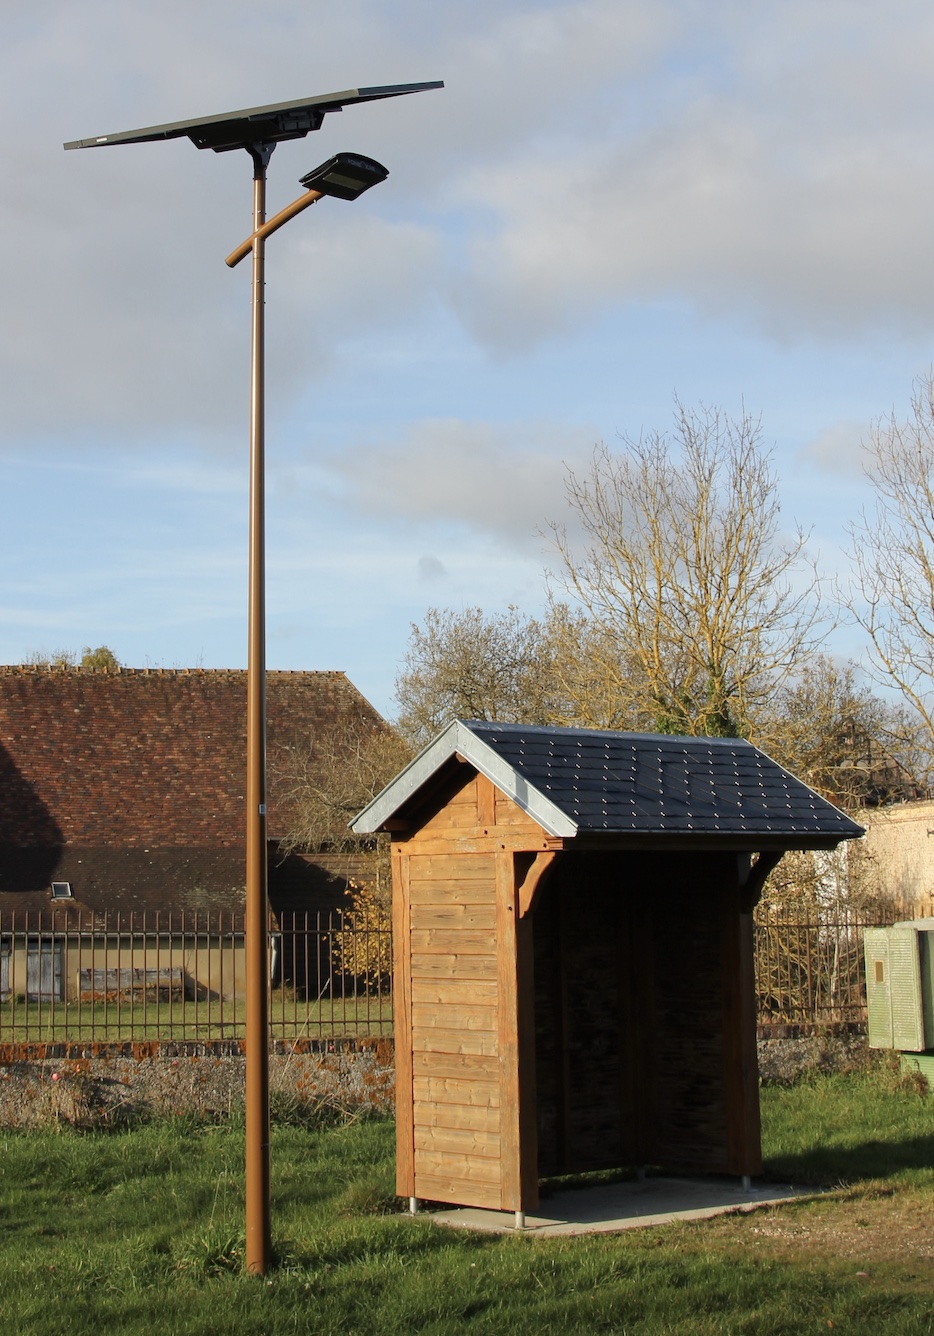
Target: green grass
[141, 1231]
[113, 1022]
[845, 1128]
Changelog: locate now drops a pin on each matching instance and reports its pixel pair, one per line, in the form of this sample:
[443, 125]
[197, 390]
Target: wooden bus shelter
[573, 978]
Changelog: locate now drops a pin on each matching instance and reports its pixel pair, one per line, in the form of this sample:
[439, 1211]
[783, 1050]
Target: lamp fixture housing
[345, 176]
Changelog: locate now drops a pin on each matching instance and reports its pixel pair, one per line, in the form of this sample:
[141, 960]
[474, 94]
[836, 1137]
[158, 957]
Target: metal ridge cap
[563, 730]
[458, 739]
[421, 767]
[554, 819]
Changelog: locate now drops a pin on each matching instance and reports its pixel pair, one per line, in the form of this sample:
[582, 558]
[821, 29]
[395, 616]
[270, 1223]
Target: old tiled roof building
[129, 785]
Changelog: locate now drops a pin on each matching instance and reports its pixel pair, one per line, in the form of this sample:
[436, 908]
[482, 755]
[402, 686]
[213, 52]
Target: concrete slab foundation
[632, 1205]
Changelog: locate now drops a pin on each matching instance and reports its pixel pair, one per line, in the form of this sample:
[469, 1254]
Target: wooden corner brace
[752, 884]
[529, 880]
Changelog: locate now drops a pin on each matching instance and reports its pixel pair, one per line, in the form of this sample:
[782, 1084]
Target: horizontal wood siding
[455, 1091]
[463, 1095]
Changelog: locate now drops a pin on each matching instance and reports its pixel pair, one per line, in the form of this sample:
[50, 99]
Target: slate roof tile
[645, 783]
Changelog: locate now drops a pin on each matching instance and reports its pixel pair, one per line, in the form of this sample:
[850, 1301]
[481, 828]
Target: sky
[611, 203]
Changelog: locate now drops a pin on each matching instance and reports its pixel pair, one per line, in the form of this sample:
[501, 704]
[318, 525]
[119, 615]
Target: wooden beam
[528, 1099]
[486, 804]
[563, 1127]
[508, 1036]
[464, 841]
[741, 1073]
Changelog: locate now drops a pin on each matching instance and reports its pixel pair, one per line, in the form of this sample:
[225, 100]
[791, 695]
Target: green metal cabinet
[900, 985]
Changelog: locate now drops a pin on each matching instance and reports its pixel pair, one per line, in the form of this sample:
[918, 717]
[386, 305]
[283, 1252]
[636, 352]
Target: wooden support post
[518, 1143]
[741, 1074]
[402, 1025]
[639, 1093]
[563, 1128]
[528, 1101]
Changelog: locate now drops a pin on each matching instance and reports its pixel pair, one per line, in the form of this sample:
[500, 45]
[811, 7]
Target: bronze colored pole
[258, 1232]
[277, 221]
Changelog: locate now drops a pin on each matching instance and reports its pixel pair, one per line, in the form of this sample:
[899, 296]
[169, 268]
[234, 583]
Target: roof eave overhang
[746, 842]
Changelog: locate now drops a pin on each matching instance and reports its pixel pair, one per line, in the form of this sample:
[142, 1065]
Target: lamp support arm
[278, 220]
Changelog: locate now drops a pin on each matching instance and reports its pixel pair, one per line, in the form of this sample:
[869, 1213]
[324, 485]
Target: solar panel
[255, 125]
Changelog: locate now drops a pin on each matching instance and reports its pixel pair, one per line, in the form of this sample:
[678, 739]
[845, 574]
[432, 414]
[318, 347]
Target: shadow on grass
[847, 1164]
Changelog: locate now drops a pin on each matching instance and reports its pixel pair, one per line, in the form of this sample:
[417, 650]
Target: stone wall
[85, 1087]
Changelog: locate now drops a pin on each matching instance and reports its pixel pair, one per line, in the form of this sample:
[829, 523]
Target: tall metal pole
[258, 1232]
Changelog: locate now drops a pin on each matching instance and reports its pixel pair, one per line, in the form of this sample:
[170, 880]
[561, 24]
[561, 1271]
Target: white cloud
[837, 449]
[506, 481]
[791, 187]
[770, 164]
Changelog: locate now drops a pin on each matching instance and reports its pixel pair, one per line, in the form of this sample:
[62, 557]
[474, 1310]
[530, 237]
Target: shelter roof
[587, 782]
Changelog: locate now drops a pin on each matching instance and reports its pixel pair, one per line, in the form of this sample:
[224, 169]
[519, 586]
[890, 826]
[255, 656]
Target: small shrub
[362, 948]
[893, 1076]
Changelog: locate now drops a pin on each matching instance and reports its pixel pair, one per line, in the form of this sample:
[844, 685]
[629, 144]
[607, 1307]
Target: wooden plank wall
[457, 1093]
[587, 1094]
[690, 1131]
[449, 1097]
[455, 1024]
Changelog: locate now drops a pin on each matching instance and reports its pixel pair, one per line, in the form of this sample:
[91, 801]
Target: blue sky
[611, 202]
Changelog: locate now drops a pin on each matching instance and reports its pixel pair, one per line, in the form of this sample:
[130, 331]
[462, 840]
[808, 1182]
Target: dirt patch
[871, 1229]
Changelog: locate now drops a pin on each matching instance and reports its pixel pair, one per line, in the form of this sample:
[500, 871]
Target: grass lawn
[111, 1022]
[140, 1231]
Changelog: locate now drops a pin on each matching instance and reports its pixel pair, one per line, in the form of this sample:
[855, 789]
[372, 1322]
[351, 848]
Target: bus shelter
[573, 975]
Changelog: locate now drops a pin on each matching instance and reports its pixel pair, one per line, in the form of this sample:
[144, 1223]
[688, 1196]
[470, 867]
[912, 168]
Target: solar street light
[258, 130]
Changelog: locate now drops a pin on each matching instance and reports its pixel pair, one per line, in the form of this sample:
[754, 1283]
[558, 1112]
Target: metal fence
[137, 978]
[108, 979]
[810, 967]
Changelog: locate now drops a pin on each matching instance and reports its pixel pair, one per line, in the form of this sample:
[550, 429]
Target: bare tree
[892, 593]
[328, 781]
[561, 669]
[477, 665]
[601, 683]
[684, 567]
[831, 730]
